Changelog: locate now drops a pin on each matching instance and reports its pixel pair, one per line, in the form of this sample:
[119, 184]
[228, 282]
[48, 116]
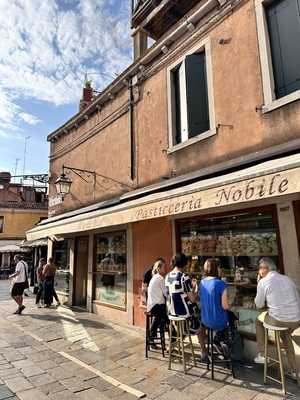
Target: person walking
[40, 280]
[48, 284]
[19, 283]
[157, 293]
[278, 293]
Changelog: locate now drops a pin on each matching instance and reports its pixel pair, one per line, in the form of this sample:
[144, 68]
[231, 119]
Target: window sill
[196, 139]
[281, 102]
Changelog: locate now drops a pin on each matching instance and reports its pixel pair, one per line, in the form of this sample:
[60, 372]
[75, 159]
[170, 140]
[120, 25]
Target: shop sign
[54, 201]
[248, 190]
[258, 188]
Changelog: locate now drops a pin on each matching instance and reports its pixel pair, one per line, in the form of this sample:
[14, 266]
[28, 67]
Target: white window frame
[270, 101]
[204, 45]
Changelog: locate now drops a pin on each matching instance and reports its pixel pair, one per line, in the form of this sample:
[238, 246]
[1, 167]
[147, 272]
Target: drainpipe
[132, 133]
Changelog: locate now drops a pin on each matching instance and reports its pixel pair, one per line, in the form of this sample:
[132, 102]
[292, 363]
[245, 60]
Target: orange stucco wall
[18, 222]
[241, 127]
[151, 239]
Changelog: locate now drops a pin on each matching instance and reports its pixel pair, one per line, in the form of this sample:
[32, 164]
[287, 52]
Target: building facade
[22, 207]
[194, 148]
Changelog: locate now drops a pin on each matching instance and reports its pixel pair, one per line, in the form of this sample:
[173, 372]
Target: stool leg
[182, 345]
[266, 357]
[191, 343]
[162, 337]
[170, 344]
[212, 354]
[277, 337]
[147, 336]
[208, 349]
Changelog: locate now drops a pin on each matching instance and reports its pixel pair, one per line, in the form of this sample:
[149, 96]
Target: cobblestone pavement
[63, 354]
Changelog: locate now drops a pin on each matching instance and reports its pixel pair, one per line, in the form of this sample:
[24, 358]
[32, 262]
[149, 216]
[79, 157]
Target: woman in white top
[156, 302]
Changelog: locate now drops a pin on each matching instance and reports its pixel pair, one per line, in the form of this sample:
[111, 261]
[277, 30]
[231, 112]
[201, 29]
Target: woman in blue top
[213, 297]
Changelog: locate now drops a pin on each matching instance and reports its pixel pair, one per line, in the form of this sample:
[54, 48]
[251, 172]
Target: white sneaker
[259, 359]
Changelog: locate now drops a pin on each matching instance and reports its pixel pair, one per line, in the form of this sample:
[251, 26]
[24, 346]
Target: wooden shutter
[283, 19]
[196, 94]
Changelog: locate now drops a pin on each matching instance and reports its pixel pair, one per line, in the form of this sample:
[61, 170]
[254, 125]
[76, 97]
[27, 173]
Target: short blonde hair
[157, 266]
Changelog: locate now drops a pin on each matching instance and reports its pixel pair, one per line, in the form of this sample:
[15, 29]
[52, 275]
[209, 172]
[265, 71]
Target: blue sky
[45, 49]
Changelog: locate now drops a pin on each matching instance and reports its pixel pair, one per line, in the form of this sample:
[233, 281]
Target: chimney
[5, 178]
[87, 95]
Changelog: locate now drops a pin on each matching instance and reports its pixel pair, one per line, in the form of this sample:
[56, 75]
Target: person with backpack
[19, 283]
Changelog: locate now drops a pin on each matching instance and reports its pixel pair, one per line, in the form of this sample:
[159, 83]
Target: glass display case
[239, 241]
[61, 259]
[110, 275]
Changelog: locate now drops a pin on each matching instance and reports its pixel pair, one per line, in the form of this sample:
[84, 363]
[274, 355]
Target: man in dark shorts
[19, 283]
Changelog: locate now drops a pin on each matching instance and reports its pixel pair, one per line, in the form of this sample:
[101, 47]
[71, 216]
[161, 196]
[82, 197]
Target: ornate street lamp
[63, 185]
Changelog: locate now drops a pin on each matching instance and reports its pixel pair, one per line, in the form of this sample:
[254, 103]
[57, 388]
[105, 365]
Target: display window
[61, 252]
[238, 241]
[110, 274]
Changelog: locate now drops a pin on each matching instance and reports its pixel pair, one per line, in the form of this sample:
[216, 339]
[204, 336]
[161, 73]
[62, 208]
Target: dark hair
[179, 261]
[160, 259]
[211, 267]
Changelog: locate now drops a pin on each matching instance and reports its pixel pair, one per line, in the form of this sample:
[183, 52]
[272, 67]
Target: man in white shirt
[279, 295]
[156, 302]
[19, 283]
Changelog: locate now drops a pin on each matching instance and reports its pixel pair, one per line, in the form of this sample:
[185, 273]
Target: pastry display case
[239, 241]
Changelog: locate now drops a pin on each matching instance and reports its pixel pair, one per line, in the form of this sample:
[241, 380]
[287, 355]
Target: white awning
[266, 180]
[12, 248]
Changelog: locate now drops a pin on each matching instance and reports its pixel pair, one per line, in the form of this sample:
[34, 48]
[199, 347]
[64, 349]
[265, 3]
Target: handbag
[26, 283]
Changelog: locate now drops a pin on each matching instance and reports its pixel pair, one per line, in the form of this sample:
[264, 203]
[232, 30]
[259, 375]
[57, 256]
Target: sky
[46, 47]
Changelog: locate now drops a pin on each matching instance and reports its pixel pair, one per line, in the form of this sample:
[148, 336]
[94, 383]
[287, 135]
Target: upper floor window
[1, 224]
[279, 43]
[284, 30]
[191, 114]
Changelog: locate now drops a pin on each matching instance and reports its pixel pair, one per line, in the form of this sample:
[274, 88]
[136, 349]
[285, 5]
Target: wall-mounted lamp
[63, 183]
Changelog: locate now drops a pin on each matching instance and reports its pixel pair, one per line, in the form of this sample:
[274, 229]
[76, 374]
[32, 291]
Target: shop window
[284, 30]
[111, 269]
[279, 37]
[239, 241]
[1, 224]
[61, 259]
[191, 115]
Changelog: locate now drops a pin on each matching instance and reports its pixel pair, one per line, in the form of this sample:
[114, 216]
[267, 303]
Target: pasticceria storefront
[237, 217]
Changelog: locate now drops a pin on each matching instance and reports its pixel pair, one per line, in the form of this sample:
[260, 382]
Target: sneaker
[58, 304]
[259, 359]
[17, 311]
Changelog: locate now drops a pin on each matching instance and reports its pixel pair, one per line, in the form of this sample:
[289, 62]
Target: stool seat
[175, 318]
[275, 328]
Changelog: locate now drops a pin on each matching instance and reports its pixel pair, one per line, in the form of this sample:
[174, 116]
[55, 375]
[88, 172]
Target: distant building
[22, 207]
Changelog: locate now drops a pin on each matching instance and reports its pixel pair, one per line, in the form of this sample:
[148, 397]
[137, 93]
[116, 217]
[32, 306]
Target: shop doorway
[81, 271]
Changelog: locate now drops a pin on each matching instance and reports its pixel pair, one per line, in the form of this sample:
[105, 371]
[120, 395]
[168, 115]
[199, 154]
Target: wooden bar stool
[180, 325]
[149, 339]
[276, 330]
[211, 356]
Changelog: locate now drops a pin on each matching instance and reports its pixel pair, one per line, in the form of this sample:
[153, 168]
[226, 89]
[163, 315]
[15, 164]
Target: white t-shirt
[20, 267]
[156, 292]
[279, 293]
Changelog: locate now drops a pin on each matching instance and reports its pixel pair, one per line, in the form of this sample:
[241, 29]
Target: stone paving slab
[31, 367]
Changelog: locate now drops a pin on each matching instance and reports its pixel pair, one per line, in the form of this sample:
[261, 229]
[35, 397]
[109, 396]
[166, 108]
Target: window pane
[111, 269]
[197, 99]
[61, 259]
[239, 241]
[284, 29]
